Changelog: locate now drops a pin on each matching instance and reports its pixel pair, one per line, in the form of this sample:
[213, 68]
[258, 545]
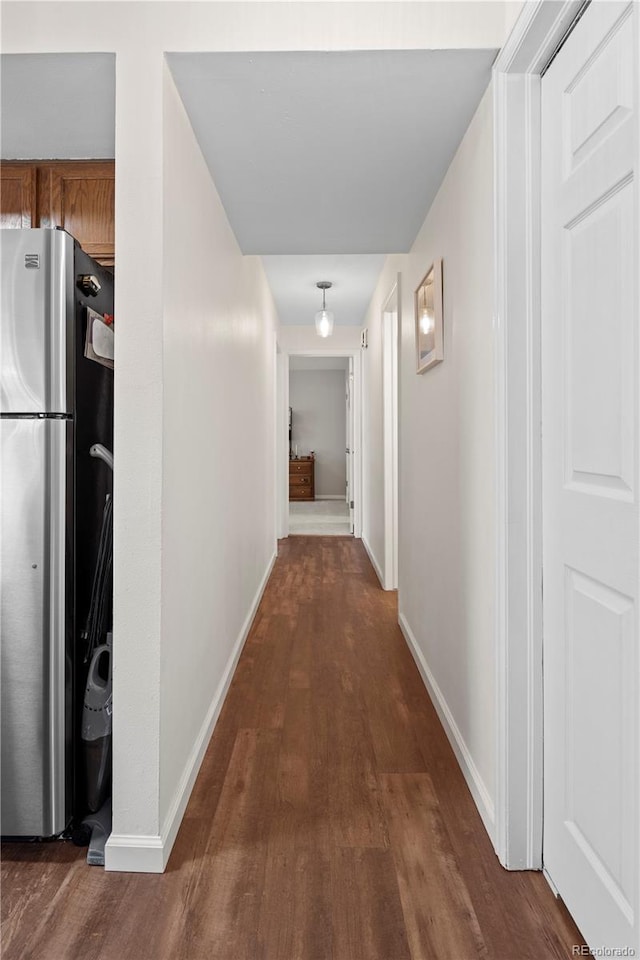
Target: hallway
[330, 820]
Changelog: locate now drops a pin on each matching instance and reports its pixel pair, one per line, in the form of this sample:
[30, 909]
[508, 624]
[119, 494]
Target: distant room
[319, 411]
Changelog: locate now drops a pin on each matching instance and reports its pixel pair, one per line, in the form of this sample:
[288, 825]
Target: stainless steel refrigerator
[55, 403]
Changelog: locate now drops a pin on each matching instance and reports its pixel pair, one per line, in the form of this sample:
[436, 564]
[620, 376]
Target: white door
[350, 437]
[590, 474]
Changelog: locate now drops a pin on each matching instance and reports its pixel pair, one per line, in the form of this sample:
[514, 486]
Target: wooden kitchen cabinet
[17, 195]
[302, 479]
[77, 195]
[81, 200]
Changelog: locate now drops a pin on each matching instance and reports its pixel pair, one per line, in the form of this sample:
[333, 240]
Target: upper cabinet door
[82, 200]
[17, 195]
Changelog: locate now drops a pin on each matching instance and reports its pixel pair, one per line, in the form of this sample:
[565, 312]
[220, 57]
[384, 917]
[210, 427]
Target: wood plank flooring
[330, 820]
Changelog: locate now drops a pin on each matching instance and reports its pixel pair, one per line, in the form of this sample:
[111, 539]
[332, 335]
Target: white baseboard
[374, 562]
[479, 792]
[554, 889]
[150, 854]
[134, 854]
[330, 496]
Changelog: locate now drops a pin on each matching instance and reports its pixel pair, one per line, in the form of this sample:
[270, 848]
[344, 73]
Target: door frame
[390, 326]
[282, 473]
[517, 76]
[350, 434]
[282, 443]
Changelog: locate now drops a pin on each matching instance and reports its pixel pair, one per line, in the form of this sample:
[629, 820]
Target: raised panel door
[82, 202]
[590, 474]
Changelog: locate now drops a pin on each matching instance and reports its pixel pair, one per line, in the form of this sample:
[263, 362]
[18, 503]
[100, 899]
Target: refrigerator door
[34, 744]
[36, 321]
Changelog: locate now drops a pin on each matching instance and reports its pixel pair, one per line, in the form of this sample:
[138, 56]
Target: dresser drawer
[300, 492]
[300, 466]
[300, 480]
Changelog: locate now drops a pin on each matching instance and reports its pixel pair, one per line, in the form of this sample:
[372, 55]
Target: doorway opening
[57, 214]
[318, 438]
[319, 432]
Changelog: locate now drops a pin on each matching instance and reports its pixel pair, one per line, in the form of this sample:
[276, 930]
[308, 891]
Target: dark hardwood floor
[330, 820]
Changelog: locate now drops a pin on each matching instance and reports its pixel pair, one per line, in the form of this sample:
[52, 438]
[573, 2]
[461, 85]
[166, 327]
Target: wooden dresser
[302, 479]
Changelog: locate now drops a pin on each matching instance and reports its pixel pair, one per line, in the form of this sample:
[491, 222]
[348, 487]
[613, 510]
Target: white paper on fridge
[99, 343]
[102, 338]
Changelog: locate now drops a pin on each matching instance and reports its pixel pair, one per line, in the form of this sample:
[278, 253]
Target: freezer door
[35, 678]
[36, 321]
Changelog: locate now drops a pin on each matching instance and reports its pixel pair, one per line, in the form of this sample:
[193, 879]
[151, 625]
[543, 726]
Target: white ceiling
[57, 106]
[329, 152]
[325, 162]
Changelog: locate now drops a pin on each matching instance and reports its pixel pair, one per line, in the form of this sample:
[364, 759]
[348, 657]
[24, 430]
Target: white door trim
[517, 142]
[282, 444]
[390, 322]
[357, 432]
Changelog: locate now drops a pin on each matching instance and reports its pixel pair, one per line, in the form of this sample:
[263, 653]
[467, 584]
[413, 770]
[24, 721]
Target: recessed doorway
[319, 453]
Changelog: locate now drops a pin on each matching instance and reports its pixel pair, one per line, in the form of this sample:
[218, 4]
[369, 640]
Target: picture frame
[429, 319]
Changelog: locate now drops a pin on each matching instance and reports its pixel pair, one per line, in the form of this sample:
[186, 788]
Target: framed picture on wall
[429, 319]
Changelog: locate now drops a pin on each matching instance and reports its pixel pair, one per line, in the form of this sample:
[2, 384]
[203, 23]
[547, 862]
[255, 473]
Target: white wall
[446, 486]
[446, 463]
[218, 524]
[317, 398]
[304, 339]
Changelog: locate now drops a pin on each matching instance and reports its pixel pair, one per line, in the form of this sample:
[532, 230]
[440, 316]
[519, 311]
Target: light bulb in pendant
[324, 317]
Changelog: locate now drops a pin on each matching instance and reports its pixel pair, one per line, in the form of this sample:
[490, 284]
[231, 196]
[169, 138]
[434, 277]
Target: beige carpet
[321, 518]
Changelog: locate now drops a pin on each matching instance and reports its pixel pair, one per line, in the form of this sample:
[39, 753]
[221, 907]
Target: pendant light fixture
[324, 317]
